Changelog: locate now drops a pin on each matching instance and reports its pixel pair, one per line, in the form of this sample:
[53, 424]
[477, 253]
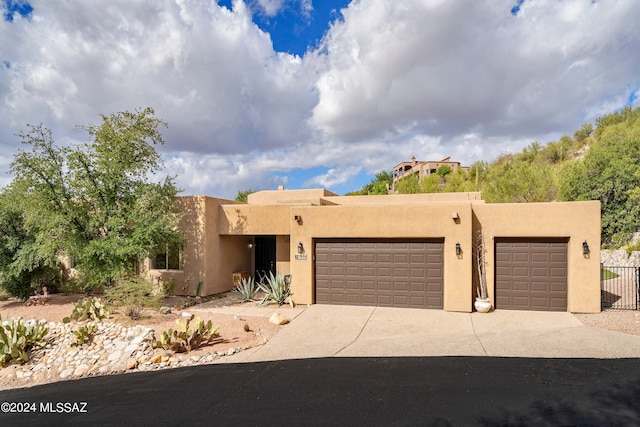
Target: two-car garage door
[392, 273]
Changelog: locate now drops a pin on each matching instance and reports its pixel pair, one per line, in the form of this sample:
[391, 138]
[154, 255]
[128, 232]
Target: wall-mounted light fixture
[585, 248]
[298, 218]
[250, 245]
[455, 217]
[300, 248]
[458, 249]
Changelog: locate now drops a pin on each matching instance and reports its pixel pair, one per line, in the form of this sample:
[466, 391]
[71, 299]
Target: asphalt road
[440, 391]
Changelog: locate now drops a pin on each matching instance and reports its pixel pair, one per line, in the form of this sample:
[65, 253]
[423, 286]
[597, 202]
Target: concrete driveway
[345, 331]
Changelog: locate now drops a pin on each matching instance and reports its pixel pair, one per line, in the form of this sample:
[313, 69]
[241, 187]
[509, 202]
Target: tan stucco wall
[289, 197]
[249, 220]
[403, 199]
[192, 225]
[414, 221]
[577, 221]
[207, 256]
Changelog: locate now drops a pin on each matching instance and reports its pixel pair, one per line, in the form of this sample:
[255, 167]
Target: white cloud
[449, 68]
[210, 72]
[334, 177]
[271, 7]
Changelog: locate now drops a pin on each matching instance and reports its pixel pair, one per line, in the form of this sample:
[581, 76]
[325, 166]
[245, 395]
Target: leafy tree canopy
[243, 196]
[96, 202]
[377, 186]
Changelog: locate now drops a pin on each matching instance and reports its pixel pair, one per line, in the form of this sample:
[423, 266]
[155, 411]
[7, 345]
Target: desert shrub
[21, 284]
[71, 285]
[246, 288]
[276, 290]
[187, 337]
[90, 308]
[169, 287]
[132, 296]
[18, 337]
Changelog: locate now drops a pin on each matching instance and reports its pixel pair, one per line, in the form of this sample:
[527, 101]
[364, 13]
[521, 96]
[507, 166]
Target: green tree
[520, 181]
[409, 184]
[243, 196]
[377, 186]
[22, 269]
[95, 202]
[432, 183]
[610, 172]
[584, 132]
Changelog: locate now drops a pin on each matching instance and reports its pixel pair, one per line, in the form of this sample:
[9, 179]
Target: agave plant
[246, 288]
[276, 290]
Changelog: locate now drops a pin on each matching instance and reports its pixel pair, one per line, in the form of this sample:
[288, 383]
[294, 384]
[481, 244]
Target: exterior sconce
[458, 249]
[298, 219]
[250, 245]
[585, 248]
[300, 248]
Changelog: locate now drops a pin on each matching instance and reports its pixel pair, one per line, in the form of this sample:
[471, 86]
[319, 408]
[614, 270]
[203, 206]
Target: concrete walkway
[349, 331]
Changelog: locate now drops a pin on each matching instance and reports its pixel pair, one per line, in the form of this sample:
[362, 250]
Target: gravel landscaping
[120, 344]
[625, 321]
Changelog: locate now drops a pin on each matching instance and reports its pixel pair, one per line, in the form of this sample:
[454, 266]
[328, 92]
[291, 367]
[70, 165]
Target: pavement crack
[357, 336]
[475, 334]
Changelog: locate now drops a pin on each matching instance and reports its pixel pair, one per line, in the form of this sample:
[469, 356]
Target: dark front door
[265, 256]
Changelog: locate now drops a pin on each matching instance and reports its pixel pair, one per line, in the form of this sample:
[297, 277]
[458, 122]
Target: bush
[26, 283]
[132, 295]
[18, 337]
[185, 339]
[90, 308]
[276, 290]
[246, 288]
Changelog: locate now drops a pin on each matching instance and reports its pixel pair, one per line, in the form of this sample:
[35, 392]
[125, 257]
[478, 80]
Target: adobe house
[422, 168]
[394, 250]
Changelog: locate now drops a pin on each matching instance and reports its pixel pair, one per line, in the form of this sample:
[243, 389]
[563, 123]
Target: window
[168, 257]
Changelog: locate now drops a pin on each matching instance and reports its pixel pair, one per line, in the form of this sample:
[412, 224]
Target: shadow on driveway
[351, 391]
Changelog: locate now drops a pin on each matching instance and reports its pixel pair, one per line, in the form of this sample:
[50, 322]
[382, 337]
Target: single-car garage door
[531, 274]
[388, 273]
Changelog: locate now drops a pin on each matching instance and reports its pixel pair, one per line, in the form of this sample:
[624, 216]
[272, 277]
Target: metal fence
[620, 287]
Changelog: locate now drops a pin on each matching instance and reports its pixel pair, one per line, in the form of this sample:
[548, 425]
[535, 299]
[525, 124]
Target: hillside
[600, 162]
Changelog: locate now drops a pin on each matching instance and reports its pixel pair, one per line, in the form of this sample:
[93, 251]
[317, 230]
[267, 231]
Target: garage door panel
[520, 257]
[383, 258]
[531, 274]
[383, 272]
[384, 286]
[389, 273]
[368, 257]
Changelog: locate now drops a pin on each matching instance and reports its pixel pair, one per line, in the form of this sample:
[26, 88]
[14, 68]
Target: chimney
[413, 160]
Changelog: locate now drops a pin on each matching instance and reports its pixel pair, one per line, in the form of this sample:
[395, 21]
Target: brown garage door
[531, 274]
[379, 272]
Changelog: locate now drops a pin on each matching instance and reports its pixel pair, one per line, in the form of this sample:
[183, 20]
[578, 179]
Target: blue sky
[310, 93]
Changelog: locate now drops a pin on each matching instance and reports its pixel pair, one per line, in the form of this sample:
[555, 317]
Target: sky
[316, 93]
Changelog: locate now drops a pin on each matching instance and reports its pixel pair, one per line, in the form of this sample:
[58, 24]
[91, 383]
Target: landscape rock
[278, 319]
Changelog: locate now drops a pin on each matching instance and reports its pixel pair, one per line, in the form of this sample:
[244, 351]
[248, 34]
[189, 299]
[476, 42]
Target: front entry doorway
[265, 261]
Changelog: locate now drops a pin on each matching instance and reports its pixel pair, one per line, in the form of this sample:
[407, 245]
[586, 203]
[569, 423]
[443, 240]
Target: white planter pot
[482, 305]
